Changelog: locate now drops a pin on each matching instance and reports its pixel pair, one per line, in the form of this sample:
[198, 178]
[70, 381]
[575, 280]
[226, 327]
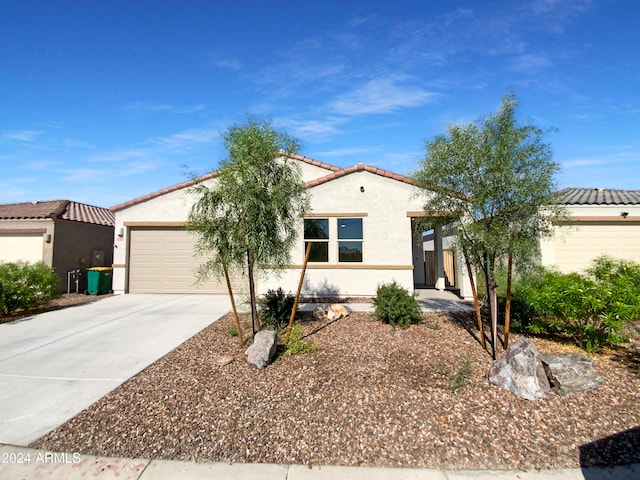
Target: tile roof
[598, 196]
[57, 209]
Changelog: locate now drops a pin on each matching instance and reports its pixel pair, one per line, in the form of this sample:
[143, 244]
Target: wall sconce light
[121, 232]
[47, 238]
[362, 189]
[624, 214]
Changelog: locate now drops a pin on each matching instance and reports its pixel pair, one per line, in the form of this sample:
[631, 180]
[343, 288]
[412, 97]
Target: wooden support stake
[476, 303]
[295, 302]
[233, 307]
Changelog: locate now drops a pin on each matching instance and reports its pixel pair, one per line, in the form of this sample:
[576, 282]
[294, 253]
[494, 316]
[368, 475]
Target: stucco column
[437, 241]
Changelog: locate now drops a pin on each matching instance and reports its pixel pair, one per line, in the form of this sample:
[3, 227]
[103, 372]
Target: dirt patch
[371, 395]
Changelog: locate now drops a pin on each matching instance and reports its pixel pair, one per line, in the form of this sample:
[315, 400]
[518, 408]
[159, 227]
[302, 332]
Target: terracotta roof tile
[57, 209]
[359, 168]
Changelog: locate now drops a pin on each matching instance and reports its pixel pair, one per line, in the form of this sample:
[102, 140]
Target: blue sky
[102, 102]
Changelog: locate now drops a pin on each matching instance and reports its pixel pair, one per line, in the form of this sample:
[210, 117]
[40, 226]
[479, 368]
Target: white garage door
[27, 248]
[163, 260]
[576, 246]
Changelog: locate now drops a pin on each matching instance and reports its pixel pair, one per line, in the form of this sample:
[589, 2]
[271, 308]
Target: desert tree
[496, 179]
[248, 217]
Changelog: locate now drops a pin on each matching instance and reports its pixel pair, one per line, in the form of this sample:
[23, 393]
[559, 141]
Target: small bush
[395, 306]
[296, 343]
[275, 308]
[26, 286]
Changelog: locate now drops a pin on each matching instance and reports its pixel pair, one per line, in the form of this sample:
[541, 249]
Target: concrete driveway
[56, 364]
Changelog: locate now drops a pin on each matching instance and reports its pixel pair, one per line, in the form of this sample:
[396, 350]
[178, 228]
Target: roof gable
[208, 176]
[360, 167]
[57, 209]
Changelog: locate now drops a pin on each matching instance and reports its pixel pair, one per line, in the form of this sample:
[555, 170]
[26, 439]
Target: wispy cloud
[21, 135]
[167, 107]
[177, 143]
[381, 95]
[223, 61]
[306, 128]
[346, 152]
[531, 63]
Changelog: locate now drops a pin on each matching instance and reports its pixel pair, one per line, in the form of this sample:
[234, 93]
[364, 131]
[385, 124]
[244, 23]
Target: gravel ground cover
[371, 395]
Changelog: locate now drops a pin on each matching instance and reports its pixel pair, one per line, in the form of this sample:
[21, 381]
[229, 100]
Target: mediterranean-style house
[362, 225]
[67, 236]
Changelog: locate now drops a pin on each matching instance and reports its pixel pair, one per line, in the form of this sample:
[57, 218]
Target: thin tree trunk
[233, 307]
[295, 302]
[489, 289]
[507, 307]
[476, 301]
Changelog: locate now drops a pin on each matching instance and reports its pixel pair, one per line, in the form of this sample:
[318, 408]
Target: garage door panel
[165, 261]
[27, 248]
[579, 246]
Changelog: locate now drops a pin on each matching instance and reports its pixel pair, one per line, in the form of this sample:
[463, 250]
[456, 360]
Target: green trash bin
[99, 280]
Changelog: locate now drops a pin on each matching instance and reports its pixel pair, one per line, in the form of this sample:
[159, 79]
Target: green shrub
[395, 306]
[26, 286]
[297, 344]
[590, 310]
[275, 308]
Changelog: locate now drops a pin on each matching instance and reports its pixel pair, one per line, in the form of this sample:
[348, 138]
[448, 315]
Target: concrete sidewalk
[25, 463]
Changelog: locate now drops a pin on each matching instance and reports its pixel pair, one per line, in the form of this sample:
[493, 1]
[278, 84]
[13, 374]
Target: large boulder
[520, 370]
[570, 373]
[263, 348]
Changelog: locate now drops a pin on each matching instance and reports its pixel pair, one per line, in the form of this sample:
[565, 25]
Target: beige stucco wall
[387, 242]
[387, 231]
[588, 232]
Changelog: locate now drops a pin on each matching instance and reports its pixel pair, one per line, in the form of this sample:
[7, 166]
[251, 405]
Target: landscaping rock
[263, 348]
[520, 370]
[337, 311]
[570, 373]
[318, 314]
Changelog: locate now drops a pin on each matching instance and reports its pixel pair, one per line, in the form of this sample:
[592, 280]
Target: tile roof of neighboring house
[598, 196]
[207, 176]
[59, 209]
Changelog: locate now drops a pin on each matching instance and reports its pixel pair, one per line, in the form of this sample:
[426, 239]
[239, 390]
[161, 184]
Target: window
[316, 232]
[350, 239]
[334, 240]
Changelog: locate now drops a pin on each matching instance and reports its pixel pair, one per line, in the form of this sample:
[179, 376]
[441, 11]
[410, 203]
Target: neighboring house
[65, 235]
[598, 222]
[361, 225]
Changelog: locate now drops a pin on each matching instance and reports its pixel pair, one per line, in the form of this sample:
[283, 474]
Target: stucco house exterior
[598, 222]
[64, 234]
[361, 224]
